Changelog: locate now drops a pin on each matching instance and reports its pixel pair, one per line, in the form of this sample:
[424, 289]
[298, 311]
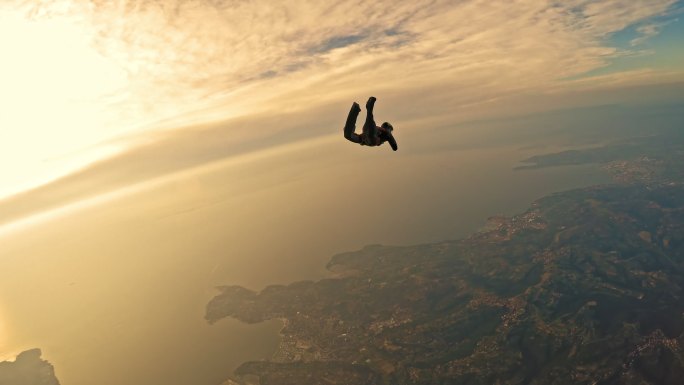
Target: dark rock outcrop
[27, 369]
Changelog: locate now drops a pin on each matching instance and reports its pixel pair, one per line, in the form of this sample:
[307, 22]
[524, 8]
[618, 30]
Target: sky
[85, 81]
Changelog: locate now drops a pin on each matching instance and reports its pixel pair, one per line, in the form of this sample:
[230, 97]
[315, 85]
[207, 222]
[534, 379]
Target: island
[27, 369]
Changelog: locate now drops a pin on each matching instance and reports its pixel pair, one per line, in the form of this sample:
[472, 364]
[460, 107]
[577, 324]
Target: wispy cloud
[187, 55]
[646, 32]
[336, 42]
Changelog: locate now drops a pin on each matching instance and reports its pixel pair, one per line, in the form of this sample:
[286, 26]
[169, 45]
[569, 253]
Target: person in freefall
[372, 135]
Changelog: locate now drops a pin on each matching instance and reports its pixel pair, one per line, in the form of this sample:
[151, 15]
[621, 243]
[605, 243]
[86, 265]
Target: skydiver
[372, 135]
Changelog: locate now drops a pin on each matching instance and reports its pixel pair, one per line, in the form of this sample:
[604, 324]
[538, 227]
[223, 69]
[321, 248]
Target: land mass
[585, 287]
[27, 369]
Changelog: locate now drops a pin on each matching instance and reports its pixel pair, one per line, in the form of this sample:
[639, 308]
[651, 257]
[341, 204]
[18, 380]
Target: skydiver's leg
[369, 126]
[350, 126]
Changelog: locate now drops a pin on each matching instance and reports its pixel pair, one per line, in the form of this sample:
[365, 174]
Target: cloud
[182, 56]
[646, 32]
[336, 42]
[167, 153]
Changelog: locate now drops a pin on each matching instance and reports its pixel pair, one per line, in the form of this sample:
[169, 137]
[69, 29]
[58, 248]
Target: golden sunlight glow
[54, 94]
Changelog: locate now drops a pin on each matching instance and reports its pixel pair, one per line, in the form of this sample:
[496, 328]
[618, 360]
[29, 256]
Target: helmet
[390, 137]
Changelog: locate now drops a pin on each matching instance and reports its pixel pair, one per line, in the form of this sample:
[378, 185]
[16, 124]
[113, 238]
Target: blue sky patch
[664, 50]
